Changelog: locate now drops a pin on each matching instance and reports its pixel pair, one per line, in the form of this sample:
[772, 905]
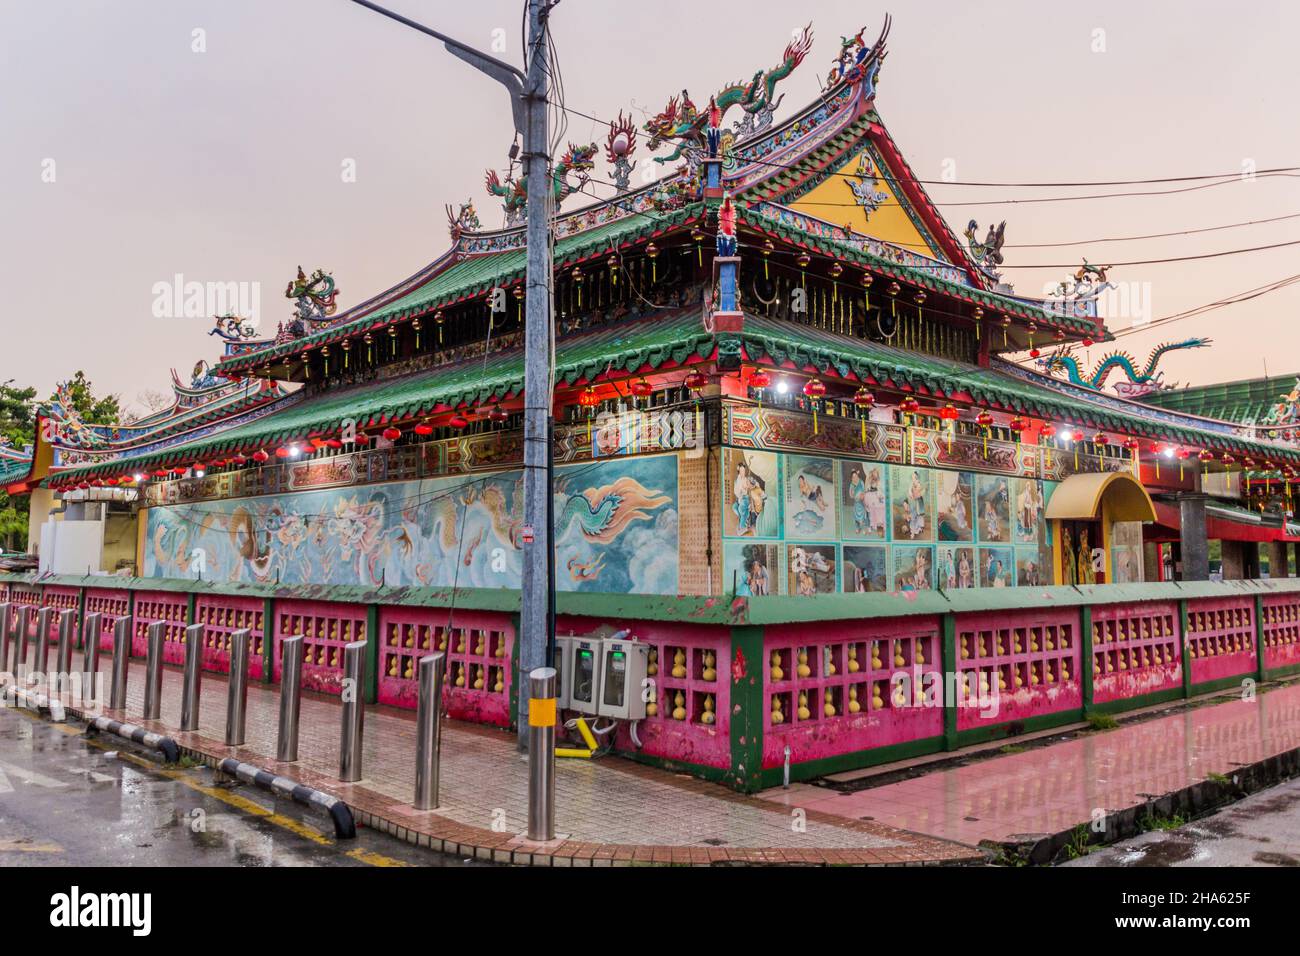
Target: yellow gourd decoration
[1002, 681]
[900, 696]
[708, 716]
[854, 706]
[460, 643]
[829, 707]
[776, 716]
[410, 668]
[877, 702]
[460, 675]
[803, 670]
[1065, 669]
[478, 678]
[481, 647]
[998, 647]
[679, 706]
[828, 662]
[652, 706]
[980, 649]
[803, 711]
[1015, 642]
[898, 654]
[1047, 672]
[652, 662]
[1017, 679]
[776, 671]
[500, 683]
[853, 664]
[410, 638]
[442, 640]
[920, 652]
[1033, 675]
[965, 648]
[392, 667]
[710, 671]
[875, 655]
[679, 664]
[1033, 641]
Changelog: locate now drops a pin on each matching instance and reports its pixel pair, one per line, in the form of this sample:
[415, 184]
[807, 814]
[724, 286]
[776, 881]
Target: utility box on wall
[584, 673]
[622, 673]
[601, 676]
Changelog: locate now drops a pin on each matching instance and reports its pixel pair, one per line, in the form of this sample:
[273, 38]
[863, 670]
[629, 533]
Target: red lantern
[260, 456]
[498, 414]
[909, 406]
[282, 452]
[642, 389]
[333, 443]
[1048, 431]
[161, 473]
[1100, 439]
[863, 401]
[1017, 425]
[392, 433]
[759, 379]
[588, 399]
[984, 419]
[696, 381]
[458, 421]
[424, 428]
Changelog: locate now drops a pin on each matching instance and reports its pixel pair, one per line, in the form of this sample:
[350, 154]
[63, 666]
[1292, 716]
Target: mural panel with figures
[616, 530]
[898, 527]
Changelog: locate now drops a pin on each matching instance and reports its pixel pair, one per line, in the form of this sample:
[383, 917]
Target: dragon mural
[1139, 383]
[858, 63]
[577, 161]
[681, 122]
[314, 296]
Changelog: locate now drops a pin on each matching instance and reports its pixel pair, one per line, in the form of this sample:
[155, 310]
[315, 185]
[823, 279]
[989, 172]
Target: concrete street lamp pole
[528, 109]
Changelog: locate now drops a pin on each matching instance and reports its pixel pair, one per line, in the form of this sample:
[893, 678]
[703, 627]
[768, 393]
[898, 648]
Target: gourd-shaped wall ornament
[679, 706]
[776, 671]
[877, 701]
[777, 716]
[829, 707]
[707, 717]
[828, 662]
[710, 670]
[652, 662]
[920, 652]
[803, 711]
[803, 670]
[478, 678]
[679, 663]
[853, 664]
[854, 706]
[652, 705]
[460, 675]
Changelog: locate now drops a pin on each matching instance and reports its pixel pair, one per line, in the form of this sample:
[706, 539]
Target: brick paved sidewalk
[608, 811]
[1053, 788]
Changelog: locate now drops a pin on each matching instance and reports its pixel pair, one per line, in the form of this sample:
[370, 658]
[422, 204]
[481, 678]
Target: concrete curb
[164, 745]
[1190, 802]
[345, 827]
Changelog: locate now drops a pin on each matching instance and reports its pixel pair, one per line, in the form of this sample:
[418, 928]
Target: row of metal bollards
[541, 686]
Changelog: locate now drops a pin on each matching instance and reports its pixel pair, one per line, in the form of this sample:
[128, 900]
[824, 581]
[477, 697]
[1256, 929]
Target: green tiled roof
[471, 277]
[11, 471]
[1247, 401]
[625, 347]
[829, 353]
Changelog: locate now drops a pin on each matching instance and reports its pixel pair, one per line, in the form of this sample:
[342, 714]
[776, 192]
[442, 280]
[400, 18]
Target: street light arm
[508, 76]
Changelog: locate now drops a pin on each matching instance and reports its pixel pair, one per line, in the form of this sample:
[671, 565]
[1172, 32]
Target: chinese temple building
[791, 437]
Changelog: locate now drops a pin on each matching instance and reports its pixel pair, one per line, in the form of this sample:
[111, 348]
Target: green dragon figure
[682, 122]
[577, 160]
[1139, 383]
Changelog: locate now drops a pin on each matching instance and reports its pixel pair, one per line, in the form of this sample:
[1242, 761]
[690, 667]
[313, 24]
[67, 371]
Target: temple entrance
[1096, 524]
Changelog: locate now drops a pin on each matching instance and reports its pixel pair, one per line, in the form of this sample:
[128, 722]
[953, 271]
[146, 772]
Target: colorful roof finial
[619, 148]
[727, 226]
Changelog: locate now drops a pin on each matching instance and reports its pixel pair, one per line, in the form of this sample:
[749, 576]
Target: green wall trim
[1186, 648]
[268, 640]
[948, 661]
[1259, 638]
[372, 654]
[1134, 703]
[1285, 671]
[1015, 728]
[748, 706]
[1085, 657]
[857, 760]
[1210, 686]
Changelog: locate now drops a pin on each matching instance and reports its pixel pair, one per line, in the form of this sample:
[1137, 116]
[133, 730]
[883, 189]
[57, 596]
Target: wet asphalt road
[1261, 830]
[66, 800]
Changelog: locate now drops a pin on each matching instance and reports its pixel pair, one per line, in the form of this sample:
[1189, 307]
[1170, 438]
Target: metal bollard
[44, 631]
[24, 637]
[7, 617]
[428, 732]
[191, 680]
[63, 661]
[541, 754]
[153, 671]
[121, 663]
[237, 689]
[89, 656]
[286, 743]
[354, 711]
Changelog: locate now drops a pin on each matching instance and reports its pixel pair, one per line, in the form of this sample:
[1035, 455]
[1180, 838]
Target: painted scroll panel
[616, 531]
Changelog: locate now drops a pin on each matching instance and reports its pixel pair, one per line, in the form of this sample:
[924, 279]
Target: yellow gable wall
[833, 201]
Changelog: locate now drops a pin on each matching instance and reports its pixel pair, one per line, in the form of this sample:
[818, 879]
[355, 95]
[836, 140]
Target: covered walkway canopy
[1080, 498]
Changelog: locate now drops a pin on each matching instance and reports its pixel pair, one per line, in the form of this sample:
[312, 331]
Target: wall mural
[847, 525]
[616, 529]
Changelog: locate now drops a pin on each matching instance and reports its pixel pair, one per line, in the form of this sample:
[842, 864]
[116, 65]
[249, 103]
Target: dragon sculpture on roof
[858, 63]
[462, 220]
[577, 161]
[1286, 411]
[314, 296]
[1139, 383]
[681, 122]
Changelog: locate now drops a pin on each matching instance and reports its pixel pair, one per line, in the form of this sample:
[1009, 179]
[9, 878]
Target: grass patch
[1219, 779]
[1155, 822]
[1012, 749]
[1102, 722]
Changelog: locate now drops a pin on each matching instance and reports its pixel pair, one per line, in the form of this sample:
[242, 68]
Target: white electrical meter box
[563, 667]
[622, 673]
[584, 674]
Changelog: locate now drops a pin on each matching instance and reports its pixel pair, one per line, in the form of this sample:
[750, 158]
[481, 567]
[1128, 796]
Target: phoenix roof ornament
[619, 147]
[858, 63]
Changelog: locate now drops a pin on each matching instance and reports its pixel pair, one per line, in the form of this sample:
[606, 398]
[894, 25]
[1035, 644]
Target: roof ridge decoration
[858, 64]
[576, 161]
[681, 123]
[1139, 382]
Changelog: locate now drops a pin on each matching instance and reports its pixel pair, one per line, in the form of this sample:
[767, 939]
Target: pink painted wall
[110, 604]
[221, 616]
[479, 646]
[1221, 638]
[855, 663]
[325, 628]
[1028, 661]
[1136, 649]
[152, 607]
[1281, 630]
[692, 738]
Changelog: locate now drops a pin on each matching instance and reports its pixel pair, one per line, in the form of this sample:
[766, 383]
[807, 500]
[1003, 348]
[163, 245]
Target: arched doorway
[1096, 525]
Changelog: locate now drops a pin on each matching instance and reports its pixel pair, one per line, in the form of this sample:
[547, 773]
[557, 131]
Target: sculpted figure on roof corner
[314, 296]
[577, 161]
